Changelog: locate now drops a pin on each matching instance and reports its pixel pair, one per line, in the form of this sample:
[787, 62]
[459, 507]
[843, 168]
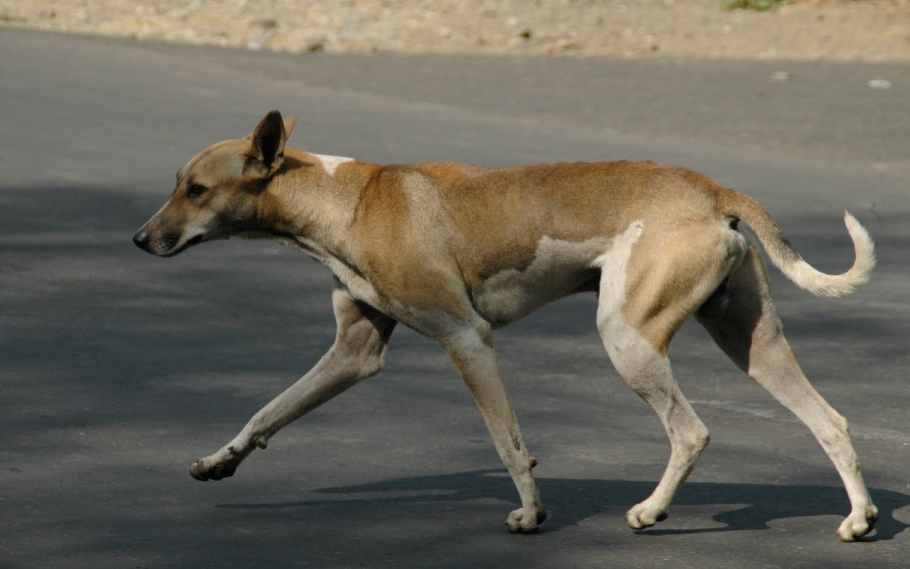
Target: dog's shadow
[575, 500]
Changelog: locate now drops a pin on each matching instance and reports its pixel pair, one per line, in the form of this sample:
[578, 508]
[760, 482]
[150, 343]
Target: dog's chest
[359, 287]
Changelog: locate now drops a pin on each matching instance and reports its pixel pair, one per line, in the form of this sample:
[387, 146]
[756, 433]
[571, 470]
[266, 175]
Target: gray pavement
[117, 369]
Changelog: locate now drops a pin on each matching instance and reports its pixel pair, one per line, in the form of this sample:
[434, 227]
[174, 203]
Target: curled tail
[790, 262]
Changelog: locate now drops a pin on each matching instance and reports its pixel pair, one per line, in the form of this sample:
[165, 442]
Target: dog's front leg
[472, 352]
[358, 353]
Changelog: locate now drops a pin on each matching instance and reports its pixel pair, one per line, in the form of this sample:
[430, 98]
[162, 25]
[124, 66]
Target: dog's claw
[197, 471]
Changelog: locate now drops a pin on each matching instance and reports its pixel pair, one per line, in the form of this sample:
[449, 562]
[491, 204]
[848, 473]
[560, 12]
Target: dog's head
[219, 191]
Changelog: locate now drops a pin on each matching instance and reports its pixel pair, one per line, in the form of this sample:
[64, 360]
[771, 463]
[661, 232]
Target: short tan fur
[454, 251]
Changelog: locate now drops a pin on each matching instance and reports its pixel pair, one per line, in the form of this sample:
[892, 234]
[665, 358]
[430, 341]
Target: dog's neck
[313, 199]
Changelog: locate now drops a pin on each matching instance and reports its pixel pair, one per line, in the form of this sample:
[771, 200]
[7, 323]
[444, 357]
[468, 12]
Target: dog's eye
[195, 190]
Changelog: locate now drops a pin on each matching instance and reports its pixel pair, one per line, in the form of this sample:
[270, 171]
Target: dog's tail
[790, 262]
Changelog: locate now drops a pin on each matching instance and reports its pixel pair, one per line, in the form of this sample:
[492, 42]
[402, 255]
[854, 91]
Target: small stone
[879, 84]
[254, 45]
[780, 76]
[314, 46]
[526, 34]
[267, 23]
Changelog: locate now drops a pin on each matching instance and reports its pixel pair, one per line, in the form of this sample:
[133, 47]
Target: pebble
[780, 76]
[266, 23]
[879, 84]
[314, 46]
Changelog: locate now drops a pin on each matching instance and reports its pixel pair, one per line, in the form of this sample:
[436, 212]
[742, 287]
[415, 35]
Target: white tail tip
[823, 284]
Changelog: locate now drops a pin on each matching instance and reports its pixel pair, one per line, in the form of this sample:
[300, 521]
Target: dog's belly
[559, 268]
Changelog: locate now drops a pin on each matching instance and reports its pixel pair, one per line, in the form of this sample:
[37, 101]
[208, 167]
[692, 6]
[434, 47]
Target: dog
[455, 251]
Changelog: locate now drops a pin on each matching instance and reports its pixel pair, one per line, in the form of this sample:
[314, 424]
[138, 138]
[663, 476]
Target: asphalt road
[117, 368]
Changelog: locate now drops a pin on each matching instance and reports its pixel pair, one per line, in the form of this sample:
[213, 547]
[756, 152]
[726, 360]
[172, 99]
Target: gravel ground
[864, 30]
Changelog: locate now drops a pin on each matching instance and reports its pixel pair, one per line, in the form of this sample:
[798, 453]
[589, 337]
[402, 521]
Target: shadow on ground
[574, 500]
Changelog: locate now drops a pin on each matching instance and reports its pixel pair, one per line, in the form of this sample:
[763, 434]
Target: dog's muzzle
[163, 244]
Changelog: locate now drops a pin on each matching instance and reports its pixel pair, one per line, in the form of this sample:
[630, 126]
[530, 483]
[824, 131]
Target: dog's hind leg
[643, 299]
[742, 319]
[358, 352]
[472, 353]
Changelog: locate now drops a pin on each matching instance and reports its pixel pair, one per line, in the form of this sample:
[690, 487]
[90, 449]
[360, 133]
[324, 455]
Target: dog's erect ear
[268, 140]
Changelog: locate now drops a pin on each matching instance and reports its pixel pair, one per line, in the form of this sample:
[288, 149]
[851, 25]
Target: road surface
[117, 369]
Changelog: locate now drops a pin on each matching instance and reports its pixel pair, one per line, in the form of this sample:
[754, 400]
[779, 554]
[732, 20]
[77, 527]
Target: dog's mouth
[181, 247]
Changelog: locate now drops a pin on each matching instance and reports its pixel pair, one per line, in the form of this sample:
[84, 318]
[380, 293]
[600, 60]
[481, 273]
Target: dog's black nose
[141, 239]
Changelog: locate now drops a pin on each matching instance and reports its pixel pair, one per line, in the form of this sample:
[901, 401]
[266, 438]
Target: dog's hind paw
[525, 521]
[644, 515]
[858, 523]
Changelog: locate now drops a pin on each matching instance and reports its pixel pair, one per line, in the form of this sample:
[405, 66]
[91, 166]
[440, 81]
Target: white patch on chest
[331, 163]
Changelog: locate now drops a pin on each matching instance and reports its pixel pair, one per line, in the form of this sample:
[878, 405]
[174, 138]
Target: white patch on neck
[331, 163]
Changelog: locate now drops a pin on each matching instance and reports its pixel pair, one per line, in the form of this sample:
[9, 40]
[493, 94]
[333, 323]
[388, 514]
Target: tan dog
[455, 251]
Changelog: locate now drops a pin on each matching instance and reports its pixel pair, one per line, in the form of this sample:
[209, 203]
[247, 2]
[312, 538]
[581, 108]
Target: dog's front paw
[858, 523]
[644, 515]
[221, 464]
[525, 520]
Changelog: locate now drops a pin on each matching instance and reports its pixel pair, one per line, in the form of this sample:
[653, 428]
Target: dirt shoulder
[865, 30]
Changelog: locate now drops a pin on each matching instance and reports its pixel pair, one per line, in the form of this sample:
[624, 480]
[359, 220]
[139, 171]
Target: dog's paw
[216, 466]
[525, 520]
[858, 523]
[644, 515]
